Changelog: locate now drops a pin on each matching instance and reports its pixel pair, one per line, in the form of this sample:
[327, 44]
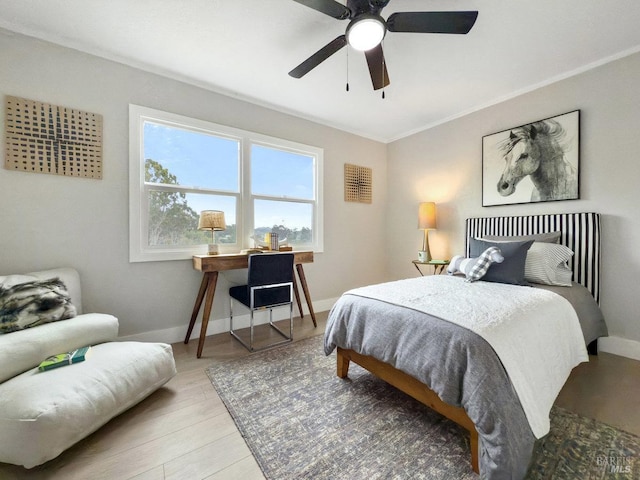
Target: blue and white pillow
[475, 268]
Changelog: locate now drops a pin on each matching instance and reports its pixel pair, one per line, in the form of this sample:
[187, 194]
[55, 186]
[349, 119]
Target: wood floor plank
[148, 455]
[209, 459]
[245, 469]
[117, 436]
[153, 474]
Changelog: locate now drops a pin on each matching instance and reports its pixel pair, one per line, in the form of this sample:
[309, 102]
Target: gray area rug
[301, 421]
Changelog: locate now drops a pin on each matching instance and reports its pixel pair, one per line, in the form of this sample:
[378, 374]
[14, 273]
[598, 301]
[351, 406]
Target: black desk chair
[270, 285]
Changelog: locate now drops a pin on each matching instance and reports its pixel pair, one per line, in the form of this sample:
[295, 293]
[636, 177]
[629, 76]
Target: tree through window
[181, 166]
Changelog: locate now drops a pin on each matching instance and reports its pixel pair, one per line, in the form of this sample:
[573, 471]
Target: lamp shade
[427, 215]
[212, 220]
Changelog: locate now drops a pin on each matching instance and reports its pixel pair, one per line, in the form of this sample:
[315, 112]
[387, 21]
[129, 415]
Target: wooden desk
[210, 265]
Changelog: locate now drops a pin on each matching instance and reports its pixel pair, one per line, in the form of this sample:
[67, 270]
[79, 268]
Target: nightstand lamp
[212, 220]
[426, 222]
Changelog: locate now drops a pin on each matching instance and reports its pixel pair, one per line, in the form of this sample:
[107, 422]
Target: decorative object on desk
[357, 183]
[426, 222]
[273, 241]
[212, 220]
[62, 359]
[536, 162]
[265, 244]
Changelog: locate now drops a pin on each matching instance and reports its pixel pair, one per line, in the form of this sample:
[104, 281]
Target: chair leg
[251, 332]
[232, 332]
[249, 346]
[291, 320]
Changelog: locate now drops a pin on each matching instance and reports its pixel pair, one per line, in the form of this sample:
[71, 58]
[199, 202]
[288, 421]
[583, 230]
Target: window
[180, 166]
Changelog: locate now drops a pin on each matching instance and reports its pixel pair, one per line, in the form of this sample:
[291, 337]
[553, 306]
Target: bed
[412, 334]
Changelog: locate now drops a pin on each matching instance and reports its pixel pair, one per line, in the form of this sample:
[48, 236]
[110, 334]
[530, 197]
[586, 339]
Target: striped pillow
[546, 263]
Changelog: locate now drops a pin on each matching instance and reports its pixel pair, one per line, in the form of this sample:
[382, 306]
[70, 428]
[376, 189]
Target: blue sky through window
[201, 160]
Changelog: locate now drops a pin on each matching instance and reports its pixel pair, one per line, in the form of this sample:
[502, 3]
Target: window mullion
[247, 201]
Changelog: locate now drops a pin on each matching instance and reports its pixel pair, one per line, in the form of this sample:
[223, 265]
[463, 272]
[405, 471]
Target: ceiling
[245, 48]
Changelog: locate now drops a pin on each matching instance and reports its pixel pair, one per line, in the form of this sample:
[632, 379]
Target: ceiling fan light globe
[365, 33]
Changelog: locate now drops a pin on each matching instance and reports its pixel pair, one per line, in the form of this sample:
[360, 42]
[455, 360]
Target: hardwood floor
[183, 431]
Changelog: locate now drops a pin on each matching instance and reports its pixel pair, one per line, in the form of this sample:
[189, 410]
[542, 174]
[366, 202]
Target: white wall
[48, 221]
[443, 164]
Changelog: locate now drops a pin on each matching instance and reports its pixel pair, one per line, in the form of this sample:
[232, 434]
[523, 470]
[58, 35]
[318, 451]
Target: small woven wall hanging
[357, 183]
[44, 138]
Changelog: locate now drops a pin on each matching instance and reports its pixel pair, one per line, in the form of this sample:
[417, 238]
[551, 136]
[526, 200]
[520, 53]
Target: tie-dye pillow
[29, 304]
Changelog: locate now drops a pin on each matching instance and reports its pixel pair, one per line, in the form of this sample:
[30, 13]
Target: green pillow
[30, 304]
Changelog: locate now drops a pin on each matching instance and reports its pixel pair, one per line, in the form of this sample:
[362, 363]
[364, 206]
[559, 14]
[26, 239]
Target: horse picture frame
[535, 162]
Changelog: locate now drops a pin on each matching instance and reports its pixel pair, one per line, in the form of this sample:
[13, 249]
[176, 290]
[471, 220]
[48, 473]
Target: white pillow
[546, 263]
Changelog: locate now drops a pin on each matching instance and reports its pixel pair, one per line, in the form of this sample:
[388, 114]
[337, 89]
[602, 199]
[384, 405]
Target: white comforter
[535, 333]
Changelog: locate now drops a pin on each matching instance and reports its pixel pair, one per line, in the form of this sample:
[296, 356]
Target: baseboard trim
[221, 325]
[620, 346]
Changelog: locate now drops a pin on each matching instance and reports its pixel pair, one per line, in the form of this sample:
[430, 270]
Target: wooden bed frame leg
[342, 363]
[473, 437]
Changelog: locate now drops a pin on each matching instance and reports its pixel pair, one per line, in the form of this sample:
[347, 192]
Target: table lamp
[212, 220]
[426, 222]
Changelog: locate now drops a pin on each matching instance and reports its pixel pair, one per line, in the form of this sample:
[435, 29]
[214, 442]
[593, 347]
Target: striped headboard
[580, 232]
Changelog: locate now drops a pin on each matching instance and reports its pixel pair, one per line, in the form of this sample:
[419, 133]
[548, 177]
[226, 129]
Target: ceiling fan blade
[328, 7]
[432, 22]
[320, 56]
[377, 67]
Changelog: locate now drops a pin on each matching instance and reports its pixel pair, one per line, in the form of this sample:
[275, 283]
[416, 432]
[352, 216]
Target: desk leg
[196, 307]
[211, 290]
[305, 289]
[297, 294]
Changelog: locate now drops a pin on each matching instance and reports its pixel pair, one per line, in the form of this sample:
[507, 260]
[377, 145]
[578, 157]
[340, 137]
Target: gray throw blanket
[454, 362]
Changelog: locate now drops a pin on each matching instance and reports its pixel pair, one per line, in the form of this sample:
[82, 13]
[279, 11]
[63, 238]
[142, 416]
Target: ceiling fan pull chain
[347, 68]
[383, 67]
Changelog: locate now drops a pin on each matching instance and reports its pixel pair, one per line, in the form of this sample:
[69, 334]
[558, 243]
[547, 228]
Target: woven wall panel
[357, 184]
[45, 138]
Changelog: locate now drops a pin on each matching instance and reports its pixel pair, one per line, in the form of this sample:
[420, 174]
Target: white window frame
[140, 251]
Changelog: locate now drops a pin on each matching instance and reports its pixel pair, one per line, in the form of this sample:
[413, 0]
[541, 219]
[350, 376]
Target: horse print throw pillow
[30, 304]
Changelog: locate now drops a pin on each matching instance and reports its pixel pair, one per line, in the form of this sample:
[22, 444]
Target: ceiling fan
[367, 28]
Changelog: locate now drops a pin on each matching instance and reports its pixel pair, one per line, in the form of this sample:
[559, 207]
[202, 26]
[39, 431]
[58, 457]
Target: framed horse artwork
[536, 162]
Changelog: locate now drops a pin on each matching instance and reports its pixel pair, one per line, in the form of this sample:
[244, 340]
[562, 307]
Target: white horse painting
[537, 150]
